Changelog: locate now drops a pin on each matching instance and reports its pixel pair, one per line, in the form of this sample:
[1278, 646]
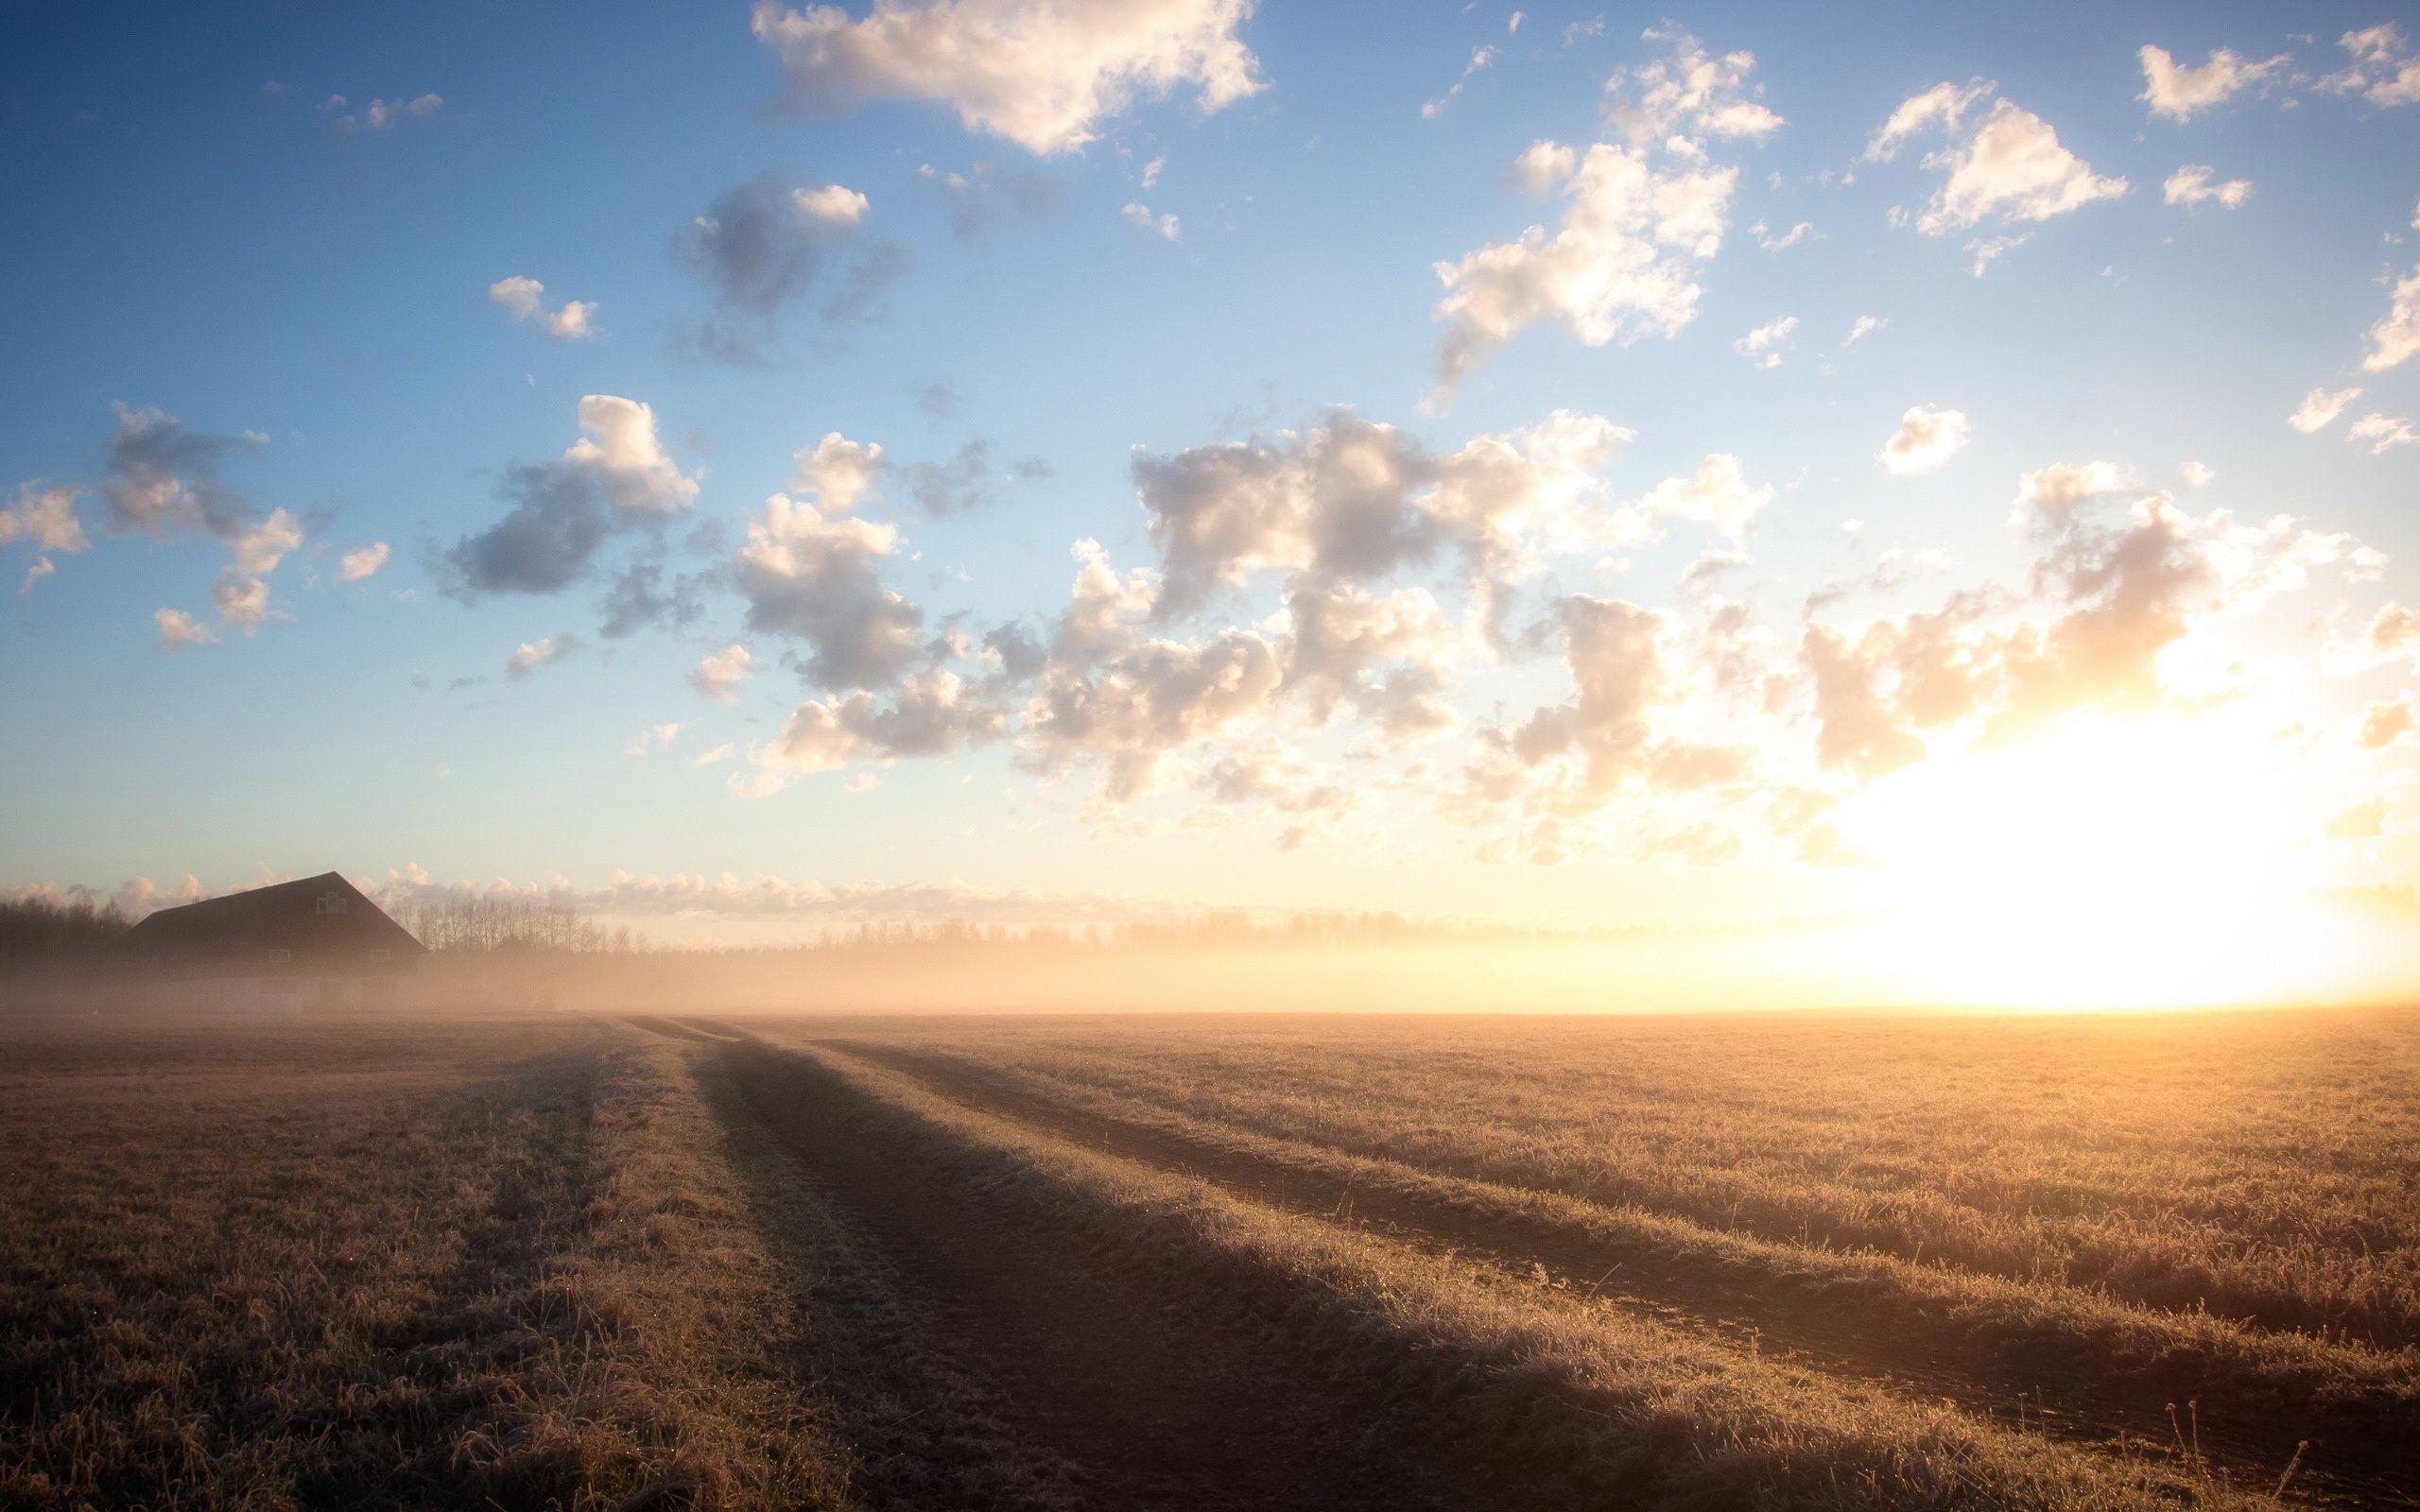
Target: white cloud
[1926, 439]
[41, 568]
[1140, 216]
[241, 601]
[2384, 68]
[837, 470]
[652, 738]
[1543, 165]
[1481, 59]
[1769, 242]
[1690, 95]
[2190, 186]
[1044, 73]
[255, 551]
[719, 675]
[833, 204]
[1989, 249]
[1765, 344]
[1619, 268]
[362, 562]
[2320, 407]
[810, 571]
[2012, 169]
[377, 115]
[45, 517]
[713, 755]
[535, 654]
[2396, 337]
[1717, 496]
[177, 628]
[1864, 326]
[627, 461]
[1151, 172]
[2177, 89]
[2382, 432]
[1944, 105]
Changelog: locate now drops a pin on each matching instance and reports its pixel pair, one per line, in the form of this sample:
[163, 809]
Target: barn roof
[288, 917]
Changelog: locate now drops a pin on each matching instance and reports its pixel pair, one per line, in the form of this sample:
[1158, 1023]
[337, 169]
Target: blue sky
[202, 235]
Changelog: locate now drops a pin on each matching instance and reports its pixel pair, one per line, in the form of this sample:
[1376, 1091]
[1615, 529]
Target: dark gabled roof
[285, 916]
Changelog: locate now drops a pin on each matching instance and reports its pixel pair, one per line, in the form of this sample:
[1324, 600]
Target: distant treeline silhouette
[490, 924]
[45, 931]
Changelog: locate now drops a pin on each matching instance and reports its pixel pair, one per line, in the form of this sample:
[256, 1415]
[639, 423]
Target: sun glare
[2115, 863]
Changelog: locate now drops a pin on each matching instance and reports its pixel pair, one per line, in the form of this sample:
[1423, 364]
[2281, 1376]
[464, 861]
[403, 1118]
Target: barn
[317, 942]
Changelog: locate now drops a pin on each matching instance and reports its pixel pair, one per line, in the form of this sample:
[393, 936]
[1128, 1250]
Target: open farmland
[680, 1259]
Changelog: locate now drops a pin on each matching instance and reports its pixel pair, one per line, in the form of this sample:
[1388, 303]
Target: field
[690, 1260]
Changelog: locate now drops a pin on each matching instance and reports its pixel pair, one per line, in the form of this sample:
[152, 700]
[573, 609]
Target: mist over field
[1210, 755]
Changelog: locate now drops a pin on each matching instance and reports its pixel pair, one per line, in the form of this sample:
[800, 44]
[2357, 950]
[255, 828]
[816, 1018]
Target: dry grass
[1561, 1400]
[374, 1264]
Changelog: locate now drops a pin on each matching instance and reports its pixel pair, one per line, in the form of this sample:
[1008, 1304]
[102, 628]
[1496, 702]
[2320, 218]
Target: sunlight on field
[2146, 864]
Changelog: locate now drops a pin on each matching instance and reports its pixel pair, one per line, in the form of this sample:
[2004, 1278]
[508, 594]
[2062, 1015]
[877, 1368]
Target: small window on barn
[331, 902]
[281, 955]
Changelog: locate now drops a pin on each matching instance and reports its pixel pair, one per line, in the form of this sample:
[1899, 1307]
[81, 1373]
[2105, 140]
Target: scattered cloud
[1139, 215]
[2384, 68]
[376, 114]
[2381, 432]
[2190, 186]
[362, 562]
[811, 571]
[616, 476]
[2396, 337]
[1926, 440]
[2178, 90]
[45, 517]
[177, 628]
[719, 675]
[2319, 407]
[1864, 326]
[652, 738]
[542, 652]
[763, 247]
[1481, 57]
[1041, 73]
[1765, 345]
[525, 298]
[2009, 168]
[1767, 242]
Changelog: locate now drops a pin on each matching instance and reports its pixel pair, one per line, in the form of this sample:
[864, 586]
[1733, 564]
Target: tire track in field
[1167, 1395]
[2039, 1383]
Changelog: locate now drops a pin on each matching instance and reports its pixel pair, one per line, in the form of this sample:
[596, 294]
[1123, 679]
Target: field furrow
[2071, 1364]
[1143, 1316]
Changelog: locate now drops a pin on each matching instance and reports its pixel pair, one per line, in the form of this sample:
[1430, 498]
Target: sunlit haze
[1771, 506]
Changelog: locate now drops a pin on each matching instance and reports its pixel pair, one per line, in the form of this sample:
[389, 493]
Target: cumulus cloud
[616, 476]
[1621, 266]
[1864, 326]
[177, 628]
[362, 562]
[531, 655]
[1717, 496]
[2190, 186]
[2009, 167]
[2380, 432]
[1689, 95]
[1354, 500]
[1765, 345]
[163, 479]
[2386, 722]
[763, 246]
[2178, 90]
[1139, 217]
[45, 517]
[525, 298]
[719, 675]
[811, 571]
[241, 601]
[2320, 407]
[2384, 67]
[929, 716]
[2396, 335]
[1044, 73]
[1926, 439]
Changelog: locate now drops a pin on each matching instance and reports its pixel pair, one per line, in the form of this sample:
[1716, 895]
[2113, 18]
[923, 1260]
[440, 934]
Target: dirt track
[1162, 1395]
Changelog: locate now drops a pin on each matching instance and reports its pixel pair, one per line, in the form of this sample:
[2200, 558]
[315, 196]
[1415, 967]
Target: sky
[747, 470]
